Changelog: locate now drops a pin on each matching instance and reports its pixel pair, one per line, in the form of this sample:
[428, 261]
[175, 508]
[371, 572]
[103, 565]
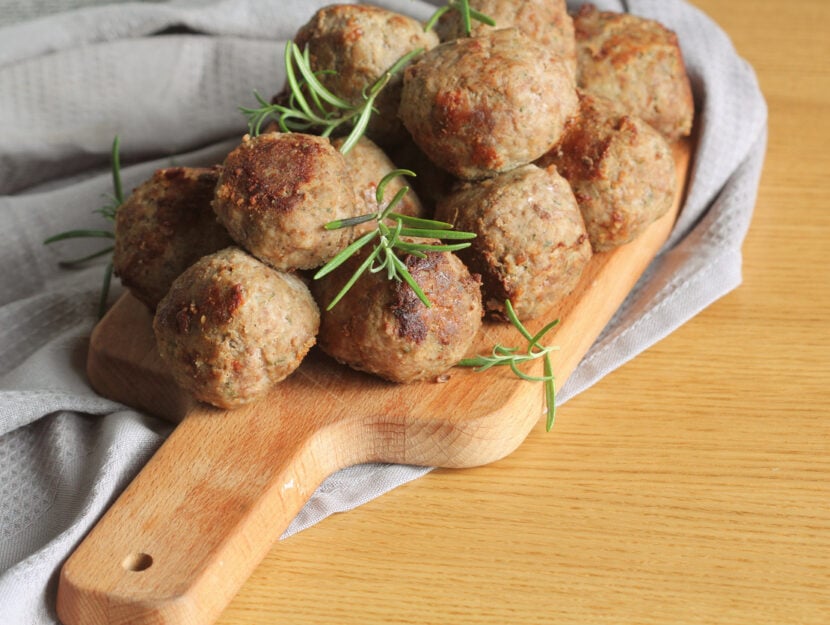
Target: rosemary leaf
[360, 270]
[407, 277]
[388, 240]
[465, 16]
[311, 107]
[402, 62]
[389, 265]
[550, 393]
[349, 221]
[380, 191]
[513, 362]
[480, 17]
[480, 363]
[303, 61]
[314, 94]
[467, 13]
[395, 201]
[79, 234]
[115, 157]
[293, 84]
[432, 21]
[108, 212]
[357, 131]
[391, 237]
[541, 333]
[436, 234]
[514, 319]
[69, 264]
[345, 255]
[427, 247]
[420, 222]
[510, 356]
[501, 350]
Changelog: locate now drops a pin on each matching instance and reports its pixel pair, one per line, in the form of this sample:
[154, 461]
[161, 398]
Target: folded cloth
[71, 81]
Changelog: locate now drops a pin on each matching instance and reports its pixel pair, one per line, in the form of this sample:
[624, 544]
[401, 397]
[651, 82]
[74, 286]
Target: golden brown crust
[165, 226]
[381, 327]
[638, 63]
[271, 176]
[360, 42]
[545, 21]
[276, 193]
[487, 104]
[231, 327]
[531, 244]
[620, 168]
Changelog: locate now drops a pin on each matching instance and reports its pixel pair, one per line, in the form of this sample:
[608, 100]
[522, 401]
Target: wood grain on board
[190, 529]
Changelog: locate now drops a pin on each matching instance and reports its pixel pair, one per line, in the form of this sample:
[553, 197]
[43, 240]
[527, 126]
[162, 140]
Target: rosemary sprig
[108, 212]
[512, 357]
[387, 238]
[312, 107]
[468, 14]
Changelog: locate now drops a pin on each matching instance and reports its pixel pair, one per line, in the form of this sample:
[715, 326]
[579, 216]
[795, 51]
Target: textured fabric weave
[70, 81]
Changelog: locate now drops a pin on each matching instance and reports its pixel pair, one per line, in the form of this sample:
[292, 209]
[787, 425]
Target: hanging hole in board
[137, 562]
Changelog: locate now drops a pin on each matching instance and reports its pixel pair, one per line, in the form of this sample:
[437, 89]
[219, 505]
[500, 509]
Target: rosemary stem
[510, 356]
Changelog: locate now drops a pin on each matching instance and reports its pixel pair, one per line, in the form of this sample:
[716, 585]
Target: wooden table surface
[690, 486]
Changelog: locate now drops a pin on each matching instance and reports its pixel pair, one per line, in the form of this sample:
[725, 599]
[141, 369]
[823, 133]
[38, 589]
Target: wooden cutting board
[189, 530]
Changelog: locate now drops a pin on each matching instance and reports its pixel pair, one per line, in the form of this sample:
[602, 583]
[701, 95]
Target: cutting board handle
[194, 524]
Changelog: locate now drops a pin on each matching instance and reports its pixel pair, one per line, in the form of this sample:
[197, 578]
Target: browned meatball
[277, 191]
[636, 62]
[620, 168]
[545, 21]
[164, 227]
[488, 104]
[381, 327]
[531, 244]
[231, 327]
[368, 165]
[360, 42]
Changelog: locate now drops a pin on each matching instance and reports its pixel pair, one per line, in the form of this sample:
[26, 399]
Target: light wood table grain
[690, 486]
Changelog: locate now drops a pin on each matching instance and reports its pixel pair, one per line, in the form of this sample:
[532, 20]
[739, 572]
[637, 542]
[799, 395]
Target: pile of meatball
[548, 136]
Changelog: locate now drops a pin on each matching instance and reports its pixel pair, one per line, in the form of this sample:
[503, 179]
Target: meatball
[381, 327]
[636, 62]
[360, 43]
[545, 21]
[531, 244]
[367, 165]
[165, 226]
[621, 170]
[277, 191]
[488, 104]
[231, 327]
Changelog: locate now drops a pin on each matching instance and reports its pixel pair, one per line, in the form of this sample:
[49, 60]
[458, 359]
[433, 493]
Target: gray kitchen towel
[167, 77]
